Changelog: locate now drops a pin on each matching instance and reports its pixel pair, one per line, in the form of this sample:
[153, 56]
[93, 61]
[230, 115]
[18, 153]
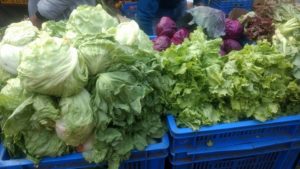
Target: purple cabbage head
[179, 36]
[166, 26]
[233, 29]
[161, 43]
[230, 45]
[222, 52]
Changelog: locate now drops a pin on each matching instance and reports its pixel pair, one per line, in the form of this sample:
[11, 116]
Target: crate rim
[175, 130]
[163, 145]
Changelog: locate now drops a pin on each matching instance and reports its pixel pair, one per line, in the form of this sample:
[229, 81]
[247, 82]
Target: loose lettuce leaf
[212, 20]
[31, 128]
[11, 96]
[35, 112]
[56, 29]
[39, 143]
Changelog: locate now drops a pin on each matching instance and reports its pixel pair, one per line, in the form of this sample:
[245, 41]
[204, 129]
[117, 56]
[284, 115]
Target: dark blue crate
[129, 9]
[246, 133]
[152, 157]
[227, 5]
[272, 160]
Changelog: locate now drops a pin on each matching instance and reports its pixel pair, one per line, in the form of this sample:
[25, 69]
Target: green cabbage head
[87, 20]
[51, 66]
[20, 34]
[76, 122]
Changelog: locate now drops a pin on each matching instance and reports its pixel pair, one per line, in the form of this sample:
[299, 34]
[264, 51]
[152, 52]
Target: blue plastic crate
[153, 157]
[227, 5]
[272, 160]
[129, 9]
[221, 136]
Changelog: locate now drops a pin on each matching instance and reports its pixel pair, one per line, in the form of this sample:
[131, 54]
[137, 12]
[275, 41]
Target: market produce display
[86, 84]
[93, 85]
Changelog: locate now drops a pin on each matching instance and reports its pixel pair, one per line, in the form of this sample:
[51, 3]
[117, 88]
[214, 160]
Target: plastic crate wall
[235, 152]
[244, 133]
[153, 157]
[272, 160]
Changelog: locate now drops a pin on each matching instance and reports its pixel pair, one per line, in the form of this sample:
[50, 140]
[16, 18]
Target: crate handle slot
[253, 146]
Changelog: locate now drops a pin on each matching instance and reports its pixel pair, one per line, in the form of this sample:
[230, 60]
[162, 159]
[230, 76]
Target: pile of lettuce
[254, 83]
[287, 34]
[88, 84]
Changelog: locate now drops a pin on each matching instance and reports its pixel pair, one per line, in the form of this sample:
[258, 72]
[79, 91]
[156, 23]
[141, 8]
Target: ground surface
[10, 14]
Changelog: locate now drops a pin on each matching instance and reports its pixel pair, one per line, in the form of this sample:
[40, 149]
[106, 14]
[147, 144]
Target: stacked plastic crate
[242, 145]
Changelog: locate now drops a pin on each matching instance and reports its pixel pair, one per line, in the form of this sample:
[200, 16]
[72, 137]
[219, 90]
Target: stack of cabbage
[88, 82]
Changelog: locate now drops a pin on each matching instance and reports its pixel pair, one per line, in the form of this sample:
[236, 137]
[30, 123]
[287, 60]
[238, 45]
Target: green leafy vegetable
[4, 76]
[35, 119]
[53, 28]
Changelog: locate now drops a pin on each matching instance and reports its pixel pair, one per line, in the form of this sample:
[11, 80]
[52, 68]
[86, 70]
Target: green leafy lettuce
[34, 132]
[208, 89]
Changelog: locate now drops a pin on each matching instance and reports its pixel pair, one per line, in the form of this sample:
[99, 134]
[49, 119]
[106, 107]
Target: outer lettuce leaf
[128, 101]
[56, 29]
[51, 66]
[40, 143]
[35, 119]
[20, 34]
[11, 96]
[35, 112]
[10, 57]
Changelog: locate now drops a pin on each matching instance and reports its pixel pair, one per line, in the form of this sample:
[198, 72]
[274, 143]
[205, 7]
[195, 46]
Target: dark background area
[10, 14]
